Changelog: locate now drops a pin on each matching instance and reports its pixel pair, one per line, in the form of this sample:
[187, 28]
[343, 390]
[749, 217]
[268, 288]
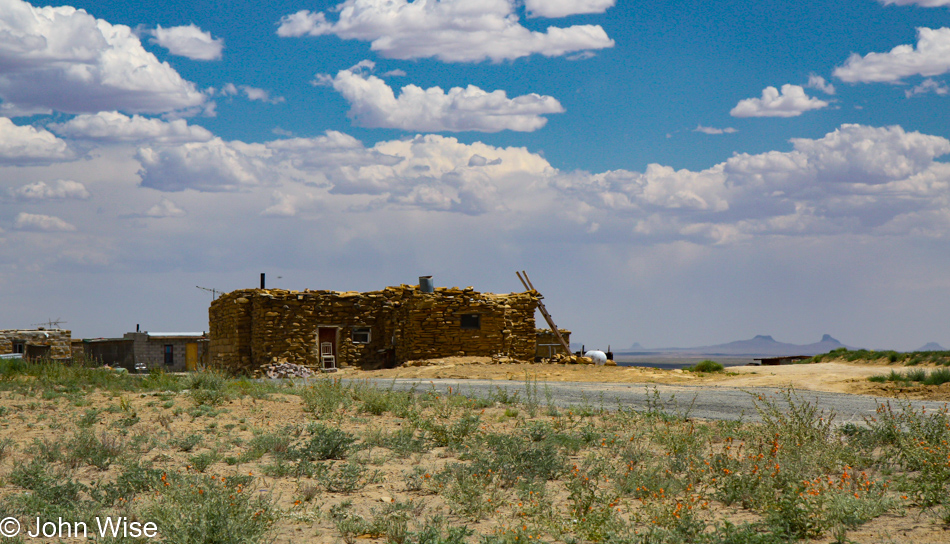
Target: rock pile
[284, 370]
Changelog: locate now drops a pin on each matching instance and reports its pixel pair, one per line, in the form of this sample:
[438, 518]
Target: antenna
[51, 324]
[214, 292]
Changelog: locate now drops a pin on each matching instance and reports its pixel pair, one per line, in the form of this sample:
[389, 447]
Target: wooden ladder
[526, 281]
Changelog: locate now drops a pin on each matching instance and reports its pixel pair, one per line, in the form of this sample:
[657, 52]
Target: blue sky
[672, 173]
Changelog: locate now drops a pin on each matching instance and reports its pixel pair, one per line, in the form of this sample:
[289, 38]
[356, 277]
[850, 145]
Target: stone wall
[54, 343]
[253, 327]
[547, 344]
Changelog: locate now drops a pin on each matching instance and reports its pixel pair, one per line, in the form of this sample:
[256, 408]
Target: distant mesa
[761, 345]
[931, 346]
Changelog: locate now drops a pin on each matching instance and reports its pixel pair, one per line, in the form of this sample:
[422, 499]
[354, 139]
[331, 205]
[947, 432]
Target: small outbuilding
[169, 351]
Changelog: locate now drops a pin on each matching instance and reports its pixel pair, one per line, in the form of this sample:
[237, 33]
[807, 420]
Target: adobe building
[378, 329]
[37, 343]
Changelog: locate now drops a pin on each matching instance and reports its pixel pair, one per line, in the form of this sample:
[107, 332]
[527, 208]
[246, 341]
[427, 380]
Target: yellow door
[191, 357]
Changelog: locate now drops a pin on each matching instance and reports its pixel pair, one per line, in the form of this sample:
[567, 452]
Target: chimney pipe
[136, 327]
[426, 285]
[262, 280]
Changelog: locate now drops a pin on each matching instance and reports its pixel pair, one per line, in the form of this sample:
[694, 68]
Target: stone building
[169, 351]
[326, 329]
[38, 343]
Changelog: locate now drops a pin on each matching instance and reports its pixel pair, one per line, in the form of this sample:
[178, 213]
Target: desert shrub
[158, 380]
[451, 435]
[198, 509]
[937, 377]
[347, 477]
[133, 479]
[706, 366]
[402, 441]
[277, 444]
[52, 492]
[323, 443]
[98, 451]
[186, 443]
[207, 388]
[511, 458]
[325, 397]
[6, 446]
[202, 461]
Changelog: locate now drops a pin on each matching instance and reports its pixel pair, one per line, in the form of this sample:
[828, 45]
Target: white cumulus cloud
[112, 126]
[61, 189]
[563, 8]
[928, 86]
[923, 3]
[790, 102]
[188, 41]
[856, 179]
[61, 58]
[818, 82]
[165, 208]
[252, 93]
[41, 223]
[714, 130]
[23, 145]
[931, 57]
[449, 30]
[214, 165]
[284, 205]
[374, 104]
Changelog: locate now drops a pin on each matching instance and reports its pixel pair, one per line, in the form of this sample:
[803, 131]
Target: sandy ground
[835, 377]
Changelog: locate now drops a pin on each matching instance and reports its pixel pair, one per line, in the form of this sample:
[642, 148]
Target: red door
[326, 339]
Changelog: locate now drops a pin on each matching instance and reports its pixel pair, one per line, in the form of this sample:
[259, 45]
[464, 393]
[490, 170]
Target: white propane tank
[599, 357]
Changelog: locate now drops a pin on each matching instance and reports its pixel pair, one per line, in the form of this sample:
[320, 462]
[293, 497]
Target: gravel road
[704, 402]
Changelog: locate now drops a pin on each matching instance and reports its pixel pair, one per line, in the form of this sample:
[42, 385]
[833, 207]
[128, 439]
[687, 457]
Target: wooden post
[544, 312]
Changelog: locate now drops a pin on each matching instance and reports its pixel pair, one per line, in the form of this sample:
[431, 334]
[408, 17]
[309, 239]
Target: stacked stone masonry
[548, 344]
[40, 343]
[254, 327]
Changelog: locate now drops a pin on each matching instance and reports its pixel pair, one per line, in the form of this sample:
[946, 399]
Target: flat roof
[174, 334]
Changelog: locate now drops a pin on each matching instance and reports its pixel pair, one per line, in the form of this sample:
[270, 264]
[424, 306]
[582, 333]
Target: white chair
[327, 359]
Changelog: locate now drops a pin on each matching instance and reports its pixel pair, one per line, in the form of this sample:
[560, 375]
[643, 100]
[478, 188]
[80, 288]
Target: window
[362, 335]
[471, 321]
[19, 346]
[169, 354]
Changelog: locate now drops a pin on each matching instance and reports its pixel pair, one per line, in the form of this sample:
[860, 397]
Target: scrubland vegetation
[908, 358]
[211, 459]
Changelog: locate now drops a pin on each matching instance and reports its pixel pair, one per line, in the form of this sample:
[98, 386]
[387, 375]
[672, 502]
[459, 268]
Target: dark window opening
[169, 354]
[471, 321]
[19, 346]
[362, 335]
